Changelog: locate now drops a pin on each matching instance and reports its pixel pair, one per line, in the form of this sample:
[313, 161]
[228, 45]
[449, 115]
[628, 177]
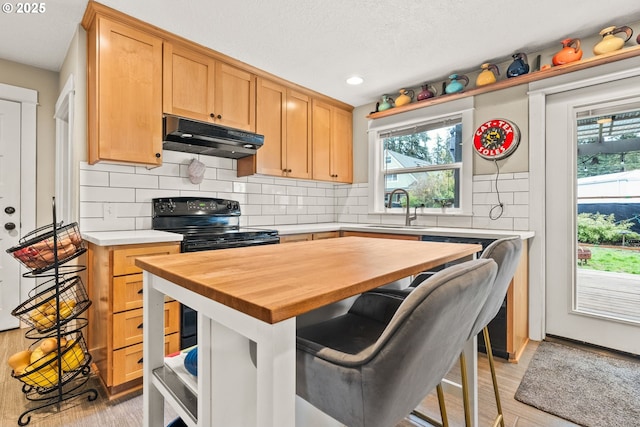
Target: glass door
[593, 215]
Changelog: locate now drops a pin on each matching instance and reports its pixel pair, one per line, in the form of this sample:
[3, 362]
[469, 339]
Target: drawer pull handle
[140, 291]
[140, 361]
[140, 325]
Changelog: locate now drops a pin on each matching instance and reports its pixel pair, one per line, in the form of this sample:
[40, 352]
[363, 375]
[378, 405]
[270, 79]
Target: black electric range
[206, 224]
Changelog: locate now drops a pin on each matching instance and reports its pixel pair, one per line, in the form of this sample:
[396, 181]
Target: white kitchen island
[248, 298]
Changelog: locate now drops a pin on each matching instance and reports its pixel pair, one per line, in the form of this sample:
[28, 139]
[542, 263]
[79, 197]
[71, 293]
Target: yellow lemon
[73, 357]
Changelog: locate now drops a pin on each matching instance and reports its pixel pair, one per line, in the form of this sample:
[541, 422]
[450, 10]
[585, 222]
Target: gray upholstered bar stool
[506, 253]
[372, 366]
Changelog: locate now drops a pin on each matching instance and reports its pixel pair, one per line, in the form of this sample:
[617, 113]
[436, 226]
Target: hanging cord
[499, 208]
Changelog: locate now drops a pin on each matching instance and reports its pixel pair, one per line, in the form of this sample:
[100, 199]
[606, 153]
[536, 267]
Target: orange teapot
[570, 52]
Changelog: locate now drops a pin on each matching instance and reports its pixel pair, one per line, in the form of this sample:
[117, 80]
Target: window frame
[461, 110]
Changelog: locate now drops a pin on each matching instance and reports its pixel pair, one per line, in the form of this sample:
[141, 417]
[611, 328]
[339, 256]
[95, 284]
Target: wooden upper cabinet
[235, 100]
[271, 122]
[342, 146]
[199, 87]
[124, 94]
[283, 116]
[188, 83]
[298, 141]
[332, 143]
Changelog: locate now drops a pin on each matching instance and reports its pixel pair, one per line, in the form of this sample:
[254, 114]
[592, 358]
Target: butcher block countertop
[276, 282]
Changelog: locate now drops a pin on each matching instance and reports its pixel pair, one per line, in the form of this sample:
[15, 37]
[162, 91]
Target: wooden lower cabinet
[303, 237]
[380, 235]
[128, 361]
[116, 324]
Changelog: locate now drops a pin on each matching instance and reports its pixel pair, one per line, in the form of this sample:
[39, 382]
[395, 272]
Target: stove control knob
[236, 206]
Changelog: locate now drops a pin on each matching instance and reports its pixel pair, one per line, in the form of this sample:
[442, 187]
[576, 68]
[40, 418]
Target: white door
[569, 297]
[9, 211]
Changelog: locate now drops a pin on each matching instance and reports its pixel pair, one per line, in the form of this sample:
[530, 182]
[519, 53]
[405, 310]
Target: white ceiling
[318, 44]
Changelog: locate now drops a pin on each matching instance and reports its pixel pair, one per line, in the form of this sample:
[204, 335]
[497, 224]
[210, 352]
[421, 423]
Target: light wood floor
[128, 413]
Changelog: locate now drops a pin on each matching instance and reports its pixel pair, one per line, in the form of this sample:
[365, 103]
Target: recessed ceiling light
[355, 80]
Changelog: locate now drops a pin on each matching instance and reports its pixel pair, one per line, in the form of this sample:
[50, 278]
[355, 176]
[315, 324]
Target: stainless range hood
[193, 136]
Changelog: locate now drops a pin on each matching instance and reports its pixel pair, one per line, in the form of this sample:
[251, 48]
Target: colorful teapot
[454, 85]
[428, 91]
[405, 97]
[519, 66]
[570, 52]
[488, 74]
[386, 103]
[609, 42]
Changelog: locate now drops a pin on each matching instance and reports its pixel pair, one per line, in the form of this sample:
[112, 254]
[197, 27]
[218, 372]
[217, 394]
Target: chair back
[420, 344]
[506, 253]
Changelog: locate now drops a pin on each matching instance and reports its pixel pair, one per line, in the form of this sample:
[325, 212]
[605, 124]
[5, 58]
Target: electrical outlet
[109, 211]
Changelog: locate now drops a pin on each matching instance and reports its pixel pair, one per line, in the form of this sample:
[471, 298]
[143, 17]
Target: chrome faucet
[408, 217]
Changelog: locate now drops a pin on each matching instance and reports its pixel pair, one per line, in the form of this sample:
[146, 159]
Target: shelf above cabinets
[626, 53]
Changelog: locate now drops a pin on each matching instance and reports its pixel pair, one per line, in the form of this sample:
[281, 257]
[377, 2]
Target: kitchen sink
[399, 227]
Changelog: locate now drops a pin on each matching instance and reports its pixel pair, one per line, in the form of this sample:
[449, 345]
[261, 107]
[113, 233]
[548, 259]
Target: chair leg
[487, 343]
[443, 411]
[465, 390]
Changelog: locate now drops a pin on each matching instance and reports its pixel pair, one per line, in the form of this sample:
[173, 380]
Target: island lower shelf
[175, 390]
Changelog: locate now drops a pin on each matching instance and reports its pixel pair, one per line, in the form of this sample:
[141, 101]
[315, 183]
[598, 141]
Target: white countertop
[399, 229]
[129, 237]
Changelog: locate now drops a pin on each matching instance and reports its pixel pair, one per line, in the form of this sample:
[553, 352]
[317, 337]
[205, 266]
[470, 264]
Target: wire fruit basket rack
[53, 302]
[39, 249]
[56, 367]
[53, 362]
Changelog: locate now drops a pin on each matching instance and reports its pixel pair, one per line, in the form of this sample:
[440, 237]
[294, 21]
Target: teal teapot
[454, 85]
[387, 102]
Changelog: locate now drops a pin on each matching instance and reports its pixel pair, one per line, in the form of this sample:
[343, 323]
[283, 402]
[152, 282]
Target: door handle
[9, 210]
[9, 226]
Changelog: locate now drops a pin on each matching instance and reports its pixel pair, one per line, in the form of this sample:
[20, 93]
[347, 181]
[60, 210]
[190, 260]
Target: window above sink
[426, 152]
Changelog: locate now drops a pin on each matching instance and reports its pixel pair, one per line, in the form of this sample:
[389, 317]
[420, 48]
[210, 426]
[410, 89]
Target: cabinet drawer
[127, 362]
[128, 325]
[124, 259]
[127, 293]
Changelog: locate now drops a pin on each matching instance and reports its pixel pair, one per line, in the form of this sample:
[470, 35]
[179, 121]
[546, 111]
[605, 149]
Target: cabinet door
[342, 146]
[298, 152]
[321, 141]
[188, 83]
[270, 122]
[125, 94]
[235, 100]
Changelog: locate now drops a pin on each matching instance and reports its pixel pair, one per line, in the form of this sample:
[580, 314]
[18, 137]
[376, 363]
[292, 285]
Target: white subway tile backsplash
[145, 195]
[266, 201]
[217, 186]
[133, 180]
[297, 191]
[273, 189]
[95, 178]
[521, 198]
[274, 210]
[455, 221]
[106, 194]
[91, 210]
[167, 169]
[261, 199]
[176, 183]
[247, 187]
[107, 167]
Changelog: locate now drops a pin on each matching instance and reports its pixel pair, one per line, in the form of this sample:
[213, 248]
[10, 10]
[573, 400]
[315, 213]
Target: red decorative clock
[496, 139]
